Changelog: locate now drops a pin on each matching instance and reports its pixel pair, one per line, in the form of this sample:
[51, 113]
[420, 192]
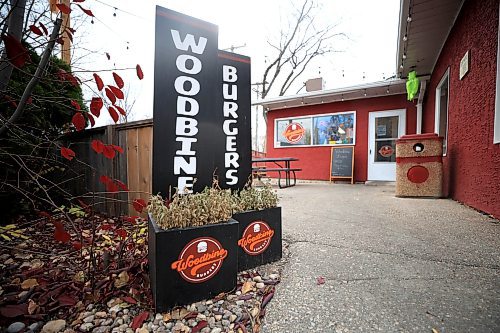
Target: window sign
[325, 129]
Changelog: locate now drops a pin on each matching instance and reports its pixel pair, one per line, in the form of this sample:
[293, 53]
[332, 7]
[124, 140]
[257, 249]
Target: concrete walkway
[390, 264]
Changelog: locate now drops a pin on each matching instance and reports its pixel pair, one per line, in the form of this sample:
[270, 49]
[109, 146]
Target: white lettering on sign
[230, 125]
[186, 126]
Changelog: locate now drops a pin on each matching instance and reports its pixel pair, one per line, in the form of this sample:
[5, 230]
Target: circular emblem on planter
[418, 174]
[256, 238]
[200, 260]
[386, 151]
[294, 132]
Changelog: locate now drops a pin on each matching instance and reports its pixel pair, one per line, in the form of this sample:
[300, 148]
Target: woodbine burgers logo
[200, 260]
[256, 238]
[294, 132]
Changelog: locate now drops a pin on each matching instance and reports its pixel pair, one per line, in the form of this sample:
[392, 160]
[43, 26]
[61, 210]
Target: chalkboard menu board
[342, 163]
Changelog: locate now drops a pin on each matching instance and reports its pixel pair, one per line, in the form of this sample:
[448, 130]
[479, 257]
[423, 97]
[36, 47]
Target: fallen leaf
[179, 314]
[27, 284]
[320, 280]
[11, 311]
[201, 325]
[32, 306]
[129, 299]
[139, 319]
[167, 316]
[121, 280]
[435, 330]
[247, 286]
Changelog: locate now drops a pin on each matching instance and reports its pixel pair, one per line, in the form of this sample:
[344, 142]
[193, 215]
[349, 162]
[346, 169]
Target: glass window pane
[385, 151]
[333, 129]
[443, 112]
[387, 127]
[293, 132]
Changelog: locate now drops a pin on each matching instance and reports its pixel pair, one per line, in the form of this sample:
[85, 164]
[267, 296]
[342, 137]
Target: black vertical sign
[184, 105]
[233, 157]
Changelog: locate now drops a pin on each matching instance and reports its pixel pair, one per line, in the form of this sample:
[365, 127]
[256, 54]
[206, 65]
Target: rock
[15, 327]
[54, 326]
[89, 319]
[90, 307]
[205, 330]
[107, 322]
[169, 326]
[143, 330]
[201, 307]
[257, 278]
[129, 330]
[116, 308]
[35, 327]
[218, 317]
[69, 330]
[260, 285]
[211, 322]
[101, 314]
[274, 276]
[238, 292]
[240, 302]
[192, 322]
[226, 323]
[86, 327]
[159, 316]
[216, 330]
[101, 329]
[119, 321]
[209, 302]
[201, 317]
[125, 311]
[232, 318]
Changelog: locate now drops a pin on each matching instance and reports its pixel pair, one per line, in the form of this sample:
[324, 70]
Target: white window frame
[437, 102]
[312, 116]
[496, 125]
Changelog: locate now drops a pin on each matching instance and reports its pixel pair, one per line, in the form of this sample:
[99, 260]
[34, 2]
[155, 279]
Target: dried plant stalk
[252, 198]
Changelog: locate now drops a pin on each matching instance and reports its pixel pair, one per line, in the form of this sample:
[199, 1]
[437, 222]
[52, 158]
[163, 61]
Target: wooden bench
[262, 171]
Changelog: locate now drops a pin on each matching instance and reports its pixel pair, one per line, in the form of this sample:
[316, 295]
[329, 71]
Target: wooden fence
[133, 167]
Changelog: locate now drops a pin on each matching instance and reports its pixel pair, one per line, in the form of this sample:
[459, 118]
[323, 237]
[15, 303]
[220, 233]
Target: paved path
[390, 264]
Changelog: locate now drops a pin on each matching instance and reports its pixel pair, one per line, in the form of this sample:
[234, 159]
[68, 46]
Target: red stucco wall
[472, 164]
[315, 161]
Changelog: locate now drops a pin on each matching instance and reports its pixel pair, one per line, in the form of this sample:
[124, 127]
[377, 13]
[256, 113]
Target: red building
[454, 48]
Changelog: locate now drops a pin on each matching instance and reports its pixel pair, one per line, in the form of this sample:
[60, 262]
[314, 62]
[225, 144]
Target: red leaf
[140, 74]
[106, 227]
[128, 299]
[96, 106]
[98, 82]
[110, 96]
[122, 233]
[86, 11]
[118, 149]
[60, 40]
[120, 109]
[11, 311]
[109, 152]
[118, 80]
[79, 121]
[111, 187]
[139, 205]
[139, 319]
[77, 245]
[113, 114]
[98, 146]
[117, 92]
[58, 225]
[108, 56]
[105, 179]
[201, 325]
[131, 219]
[36, 30]
[17, 54]
[45, 31]
[67, 153]
[63, 8]
[66, 300]
[75, 105]
[12, 102]
[122, 185]
[91, 119]
[45, 214]
[62, 236]
[320, 280]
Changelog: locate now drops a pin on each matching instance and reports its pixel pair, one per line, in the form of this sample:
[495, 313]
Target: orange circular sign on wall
[386, 151]
[256, 238]
[200, 259]
[294, 132]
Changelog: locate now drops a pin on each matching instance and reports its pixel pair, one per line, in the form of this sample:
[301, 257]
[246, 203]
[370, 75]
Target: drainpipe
[420, 101]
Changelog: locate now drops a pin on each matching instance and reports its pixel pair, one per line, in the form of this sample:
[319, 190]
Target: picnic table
[280, 164]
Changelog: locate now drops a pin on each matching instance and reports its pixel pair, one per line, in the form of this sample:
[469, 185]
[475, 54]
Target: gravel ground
[388, 264]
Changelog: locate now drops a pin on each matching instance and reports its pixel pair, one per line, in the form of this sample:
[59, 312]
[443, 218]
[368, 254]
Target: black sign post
[233, 159]
[342, 163]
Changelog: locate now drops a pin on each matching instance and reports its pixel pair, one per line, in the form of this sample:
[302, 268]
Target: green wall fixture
[412, 85]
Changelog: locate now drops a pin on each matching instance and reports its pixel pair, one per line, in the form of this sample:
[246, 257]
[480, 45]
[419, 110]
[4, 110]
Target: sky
[367, 54]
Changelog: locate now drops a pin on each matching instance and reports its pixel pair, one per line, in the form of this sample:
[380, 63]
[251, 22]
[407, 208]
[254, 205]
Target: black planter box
[191, 264]
[259, 240]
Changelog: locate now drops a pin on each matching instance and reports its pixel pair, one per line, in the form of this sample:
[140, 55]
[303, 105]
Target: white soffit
[426, 32]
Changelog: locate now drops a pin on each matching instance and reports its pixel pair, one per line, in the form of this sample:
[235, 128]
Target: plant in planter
[192, 247]
[259, 218]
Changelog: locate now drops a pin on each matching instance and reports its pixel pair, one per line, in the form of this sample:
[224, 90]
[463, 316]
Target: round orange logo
[200, 260]
[294, 132]
[386, 151]
[256, 238]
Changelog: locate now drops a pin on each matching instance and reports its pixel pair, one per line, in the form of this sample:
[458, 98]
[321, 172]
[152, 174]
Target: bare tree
[299, 43]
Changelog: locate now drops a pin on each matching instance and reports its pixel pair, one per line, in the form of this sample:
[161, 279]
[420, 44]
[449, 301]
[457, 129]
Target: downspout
[420, 101]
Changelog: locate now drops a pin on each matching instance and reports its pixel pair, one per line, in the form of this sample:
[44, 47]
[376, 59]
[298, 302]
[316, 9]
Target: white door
[385, 127]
